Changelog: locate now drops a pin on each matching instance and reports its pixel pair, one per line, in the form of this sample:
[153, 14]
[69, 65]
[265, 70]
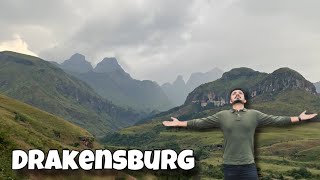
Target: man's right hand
[175, 122]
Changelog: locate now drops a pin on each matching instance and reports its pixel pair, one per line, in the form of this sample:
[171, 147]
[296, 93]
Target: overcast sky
[160, 39]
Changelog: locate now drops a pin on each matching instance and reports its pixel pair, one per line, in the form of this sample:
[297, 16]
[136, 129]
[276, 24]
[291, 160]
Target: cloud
[161, 39]
[17, 45]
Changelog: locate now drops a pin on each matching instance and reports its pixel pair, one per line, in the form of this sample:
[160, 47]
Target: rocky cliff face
[256, 83]
[282, 79]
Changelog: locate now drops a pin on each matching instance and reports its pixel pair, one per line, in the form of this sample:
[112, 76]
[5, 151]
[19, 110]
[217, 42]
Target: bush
[268, 177]
[20, 117]
[302, 172]
[76, 144]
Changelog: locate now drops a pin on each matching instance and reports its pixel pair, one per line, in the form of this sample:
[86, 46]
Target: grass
[278, 149]
[33, 129]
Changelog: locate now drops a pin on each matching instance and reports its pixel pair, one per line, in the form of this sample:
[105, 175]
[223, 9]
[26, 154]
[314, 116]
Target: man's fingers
[310, 116]
[173, 118]
[313, 115]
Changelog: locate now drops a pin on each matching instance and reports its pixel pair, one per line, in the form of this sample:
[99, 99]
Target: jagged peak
[77, 63]
[78, 56]
[108, 64]
[109, 60]
[179, 80]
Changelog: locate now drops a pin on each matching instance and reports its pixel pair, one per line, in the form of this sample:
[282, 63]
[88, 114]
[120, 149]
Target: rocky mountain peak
[179, 80]
[77, 63]
[256, 83]
[287, 72]
[239, 72]
[77, 57]
[285, 78]
[108, 65]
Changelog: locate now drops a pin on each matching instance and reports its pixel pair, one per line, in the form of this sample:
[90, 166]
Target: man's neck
[238, 106]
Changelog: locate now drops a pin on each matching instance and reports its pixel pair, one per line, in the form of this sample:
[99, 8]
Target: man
[238, 126]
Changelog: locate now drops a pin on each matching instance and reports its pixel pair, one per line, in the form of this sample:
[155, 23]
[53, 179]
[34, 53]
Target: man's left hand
[305, 116]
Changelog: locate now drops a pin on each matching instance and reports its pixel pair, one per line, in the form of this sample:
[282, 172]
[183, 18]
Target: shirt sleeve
[204, 123]
[266, 119]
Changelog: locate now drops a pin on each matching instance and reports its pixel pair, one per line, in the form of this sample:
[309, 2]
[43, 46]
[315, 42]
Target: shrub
[20, 117]
[302, 172]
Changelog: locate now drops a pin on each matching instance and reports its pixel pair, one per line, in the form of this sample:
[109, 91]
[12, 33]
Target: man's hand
[305, 116]
[175, 122]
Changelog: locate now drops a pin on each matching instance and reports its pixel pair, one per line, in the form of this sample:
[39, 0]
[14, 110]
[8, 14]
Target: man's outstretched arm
[303, 116]
[265, 119]
[200, 123]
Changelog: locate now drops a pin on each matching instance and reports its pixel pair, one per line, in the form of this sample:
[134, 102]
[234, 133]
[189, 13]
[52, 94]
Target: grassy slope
[278, 149]
[34, 129]
[43, 85]
[36, 84]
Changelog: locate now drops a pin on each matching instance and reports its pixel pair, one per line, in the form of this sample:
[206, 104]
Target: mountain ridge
[178, 90]
[110, 81]
[46, 86]
[282, 93]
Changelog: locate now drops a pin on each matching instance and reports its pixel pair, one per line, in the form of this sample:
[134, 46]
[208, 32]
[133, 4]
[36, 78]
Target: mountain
[44, 85]
[257, 83]
[110, 81]
[178, 90]
[26, 127]
[317, 85]
[77, 63]
[109, 65]
[279, 150]
[198, 78]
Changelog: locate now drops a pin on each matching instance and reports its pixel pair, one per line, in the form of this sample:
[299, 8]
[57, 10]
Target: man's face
[237, 96]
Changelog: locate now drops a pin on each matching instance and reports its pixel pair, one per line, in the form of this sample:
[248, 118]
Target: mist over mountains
[179, 89]
[110, 81]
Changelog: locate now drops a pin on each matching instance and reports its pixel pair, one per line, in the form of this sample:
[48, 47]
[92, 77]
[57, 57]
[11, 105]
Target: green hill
[44, 85]
[278, 150]
[25, 127]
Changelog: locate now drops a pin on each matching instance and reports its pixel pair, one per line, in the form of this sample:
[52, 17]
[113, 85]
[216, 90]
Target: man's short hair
[241, 89]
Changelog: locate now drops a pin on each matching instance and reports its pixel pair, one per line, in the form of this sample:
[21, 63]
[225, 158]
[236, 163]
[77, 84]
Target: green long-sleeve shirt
[238, 128]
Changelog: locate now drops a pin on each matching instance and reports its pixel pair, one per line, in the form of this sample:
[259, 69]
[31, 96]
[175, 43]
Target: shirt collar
[243, 109]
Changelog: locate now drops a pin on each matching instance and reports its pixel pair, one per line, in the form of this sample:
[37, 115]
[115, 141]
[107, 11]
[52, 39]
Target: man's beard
[238, 101]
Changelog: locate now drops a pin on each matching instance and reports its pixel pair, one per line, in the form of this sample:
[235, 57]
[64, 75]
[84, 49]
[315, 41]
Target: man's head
[237, 95]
